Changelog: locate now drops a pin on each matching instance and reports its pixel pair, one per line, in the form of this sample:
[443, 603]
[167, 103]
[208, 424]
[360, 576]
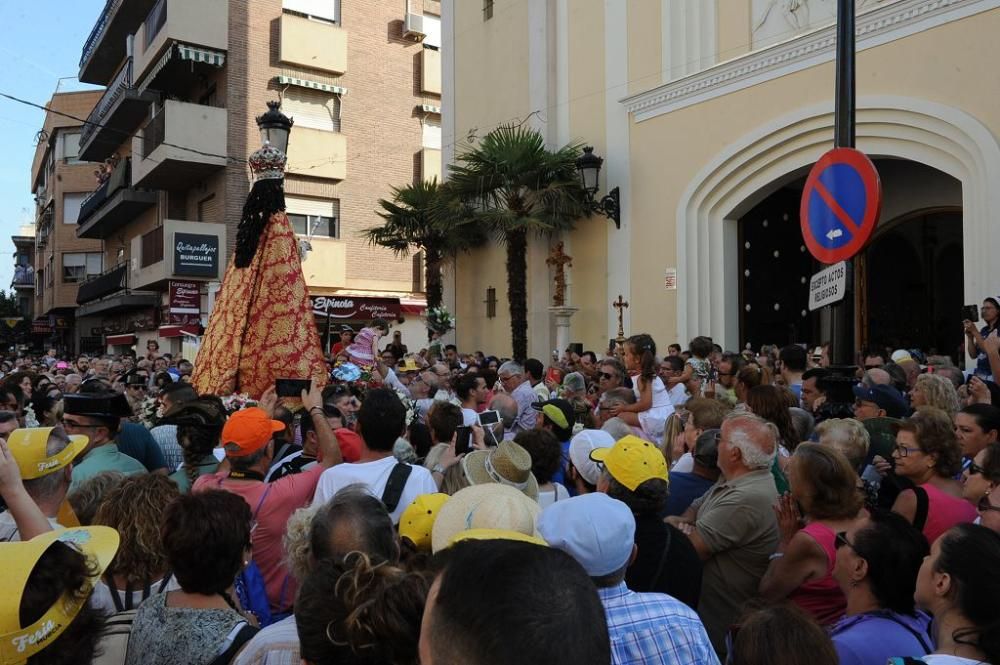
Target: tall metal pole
[841, 323]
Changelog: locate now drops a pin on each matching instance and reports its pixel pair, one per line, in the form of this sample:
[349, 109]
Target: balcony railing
[154, 133]
[24, 276]
[110, 7]
[105, 284]
[121, 83]
[120, 177]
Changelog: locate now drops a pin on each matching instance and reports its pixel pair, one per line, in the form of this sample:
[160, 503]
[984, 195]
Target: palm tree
[510, 185]
[408, 224]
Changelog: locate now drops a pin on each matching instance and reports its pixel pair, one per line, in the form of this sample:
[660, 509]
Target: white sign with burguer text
[828, 286]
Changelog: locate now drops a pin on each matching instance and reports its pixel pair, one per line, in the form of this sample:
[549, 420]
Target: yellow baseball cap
[17, 560]
[632, 461]
[495, 534]
[417, 521]
[28, 446]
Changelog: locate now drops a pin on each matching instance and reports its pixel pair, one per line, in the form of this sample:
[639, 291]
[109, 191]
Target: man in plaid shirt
[645, 628]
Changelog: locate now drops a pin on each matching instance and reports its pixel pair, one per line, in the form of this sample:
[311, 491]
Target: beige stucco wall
[299, 37]
[668, 151]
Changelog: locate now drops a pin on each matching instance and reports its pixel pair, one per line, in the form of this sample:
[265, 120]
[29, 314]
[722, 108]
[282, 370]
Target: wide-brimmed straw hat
[488, 506]
[507, 464]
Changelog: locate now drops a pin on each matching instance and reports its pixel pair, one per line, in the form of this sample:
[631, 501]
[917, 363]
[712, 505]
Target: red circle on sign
[858, 161]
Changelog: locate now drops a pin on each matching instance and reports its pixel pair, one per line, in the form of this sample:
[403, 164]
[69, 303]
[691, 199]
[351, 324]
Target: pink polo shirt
[286, 495]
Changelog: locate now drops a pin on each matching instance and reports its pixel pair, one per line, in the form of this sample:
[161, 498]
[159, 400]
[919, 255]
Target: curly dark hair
[649, 498]
[360, 611]
[545, 451]
[59, 570]
[935, 434]
[205, 536]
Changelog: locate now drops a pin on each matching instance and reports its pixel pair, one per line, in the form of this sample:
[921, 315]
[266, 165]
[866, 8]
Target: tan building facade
[60, 181]
[185, 81]
[709, 116]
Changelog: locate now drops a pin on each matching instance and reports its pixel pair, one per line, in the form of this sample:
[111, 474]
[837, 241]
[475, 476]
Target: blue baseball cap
[594, 529]
[887, 398]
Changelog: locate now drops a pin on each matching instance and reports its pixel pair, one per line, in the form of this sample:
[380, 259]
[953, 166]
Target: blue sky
[41, 45]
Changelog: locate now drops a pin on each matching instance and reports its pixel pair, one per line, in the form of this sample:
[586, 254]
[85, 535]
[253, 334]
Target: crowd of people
[686, 505]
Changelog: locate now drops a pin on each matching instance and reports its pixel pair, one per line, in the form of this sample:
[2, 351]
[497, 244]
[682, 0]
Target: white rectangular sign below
[828, 286]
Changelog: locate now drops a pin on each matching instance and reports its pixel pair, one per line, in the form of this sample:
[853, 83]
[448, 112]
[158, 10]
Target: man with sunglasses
[98, 417]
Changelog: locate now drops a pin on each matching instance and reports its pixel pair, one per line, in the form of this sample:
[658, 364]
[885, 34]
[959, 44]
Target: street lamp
[589, 166]
[275, 127]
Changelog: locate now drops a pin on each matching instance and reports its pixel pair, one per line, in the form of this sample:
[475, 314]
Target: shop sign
[350, 307]
[185, 303]
[196, 254]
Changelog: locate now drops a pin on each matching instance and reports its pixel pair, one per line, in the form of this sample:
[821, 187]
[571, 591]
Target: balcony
[121, 110]
[104, 49]
[317, 153]
[182, 144]
[113, 205]
[110, 292]
[198, 23]
[430, 164]
[192, 251]
[313, 44]
[24, 277]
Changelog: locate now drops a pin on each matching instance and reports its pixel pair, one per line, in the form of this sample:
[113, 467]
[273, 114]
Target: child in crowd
[653, 406]
[697, 366]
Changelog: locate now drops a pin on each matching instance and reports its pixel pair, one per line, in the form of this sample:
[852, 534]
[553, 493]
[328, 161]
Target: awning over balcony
[314, 85]
[182, 52]
[180, 331]
[120, 340]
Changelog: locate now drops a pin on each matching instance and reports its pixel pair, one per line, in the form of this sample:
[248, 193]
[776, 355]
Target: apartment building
[60, 181]
[184, 81]
[23, 282]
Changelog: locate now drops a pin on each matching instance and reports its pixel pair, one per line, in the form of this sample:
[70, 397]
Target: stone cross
[621, 305]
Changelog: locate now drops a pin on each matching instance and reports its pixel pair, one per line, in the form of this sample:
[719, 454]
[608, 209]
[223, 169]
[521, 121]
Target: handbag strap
[393, 491]
[920, 517]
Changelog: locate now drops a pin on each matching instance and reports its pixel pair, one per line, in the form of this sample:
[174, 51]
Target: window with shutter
[432, 133]
[314, 217]
[324, 9]
[71, 207]
[208, 209]
[312, 108]
[432, 30]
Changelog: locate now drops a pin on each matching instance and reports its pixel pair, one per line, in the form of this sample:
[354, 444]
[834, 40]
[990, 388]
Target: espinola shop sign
[196, 254]
[350, 307]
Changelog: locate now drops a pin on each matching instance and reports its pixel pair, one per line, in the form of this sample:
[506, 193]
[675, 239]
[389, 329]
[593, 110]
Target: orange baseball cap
[248, 430]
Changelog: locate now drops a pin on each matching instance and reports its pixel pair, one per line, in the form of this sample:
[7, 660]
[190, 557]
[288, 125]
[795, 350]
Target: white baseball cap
[580, 448]
[594, 529]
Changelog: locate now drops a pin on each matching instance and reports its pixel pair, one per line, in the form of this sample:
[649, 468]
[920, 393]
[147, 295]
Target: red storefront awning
[120, 340]
[179, 331]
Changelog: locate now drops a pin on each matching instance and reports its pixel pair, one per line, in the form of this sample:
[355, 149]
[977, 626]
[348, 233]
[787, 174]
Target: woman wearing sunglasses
[982, 476]
[876, 568]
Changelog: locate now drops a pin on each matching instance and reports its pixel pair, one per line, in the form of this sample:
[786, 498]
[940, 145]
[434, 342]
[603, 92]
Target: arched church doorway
[909, 280]
[914, 284]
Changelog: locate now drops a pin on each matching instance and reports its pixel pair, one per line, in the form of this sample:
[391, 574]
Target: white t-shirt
[945, 659]
[678, 395]
[8, 527]
[547, 497]
[684, 464]
[374, 476]
[469, 417]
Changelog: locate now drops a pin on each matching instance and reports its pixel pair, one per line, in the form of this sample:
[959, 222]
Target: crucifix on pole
[621, 305]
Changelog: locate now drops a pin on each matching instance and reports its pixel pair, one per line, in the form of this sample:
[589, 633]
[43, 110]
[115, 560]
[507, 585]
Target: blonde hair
[296, 542]
[848, 436]
[939, 392]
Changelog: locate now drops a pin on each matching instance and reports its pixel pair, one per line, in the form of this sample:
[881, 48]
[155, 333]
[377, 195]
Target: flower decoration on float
[439, 320]
[238, 402]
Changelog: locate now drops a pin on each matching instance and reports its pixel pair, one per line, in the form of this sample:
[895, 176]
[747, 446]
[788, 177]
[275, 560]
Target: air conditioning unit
[413, 27]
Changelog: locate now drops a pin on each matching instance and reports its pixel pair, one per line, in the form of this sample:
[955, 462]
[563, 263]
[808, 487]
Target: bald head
[877, 377]
[506, 406]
